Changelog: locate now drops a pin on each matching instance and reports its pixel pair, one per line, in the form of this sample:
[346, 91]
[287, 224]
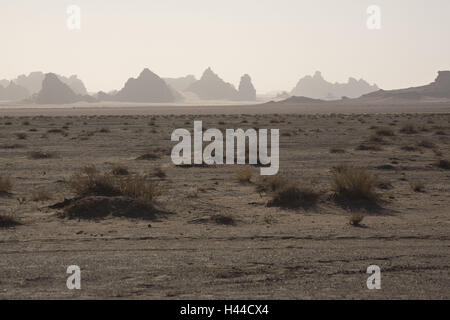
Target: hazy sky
[275, 41]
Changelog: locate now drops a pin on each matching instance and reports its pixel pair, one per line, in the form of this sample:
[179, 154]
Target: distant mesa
[211, 87]
[318, 88]
[439, 89]
[148, 87]
[247, 91]
[296, 100]
[54, 91]
[13, 91]
[180, 84]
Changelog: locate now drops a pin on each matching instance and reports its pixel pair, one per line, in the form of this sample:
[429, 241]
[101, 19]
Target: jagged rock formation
[211, 87]
[33, 82]
[247, 91]
[439, 89]
[13, 92]
[318, 88]
[180, 84]
[54, 91]
[148, 87]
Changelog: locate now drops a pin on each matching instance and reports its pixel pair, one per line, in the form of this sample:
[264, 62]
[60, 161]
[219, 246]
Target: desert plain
[216, 231]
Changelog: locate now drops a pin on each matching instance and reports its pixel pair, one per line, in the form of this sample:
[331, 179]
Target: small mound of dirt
[97, 207]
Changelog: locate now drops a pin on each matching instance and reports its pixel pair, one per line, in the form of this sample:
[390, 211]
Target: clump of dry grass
[293, 196]
[417, 186]
[355, 219]
[409, 147]
[159, 172]
[271, 183]
[337, 150]
[368, 147]
[5, 185]
[244, 174]
[8, 221]
[354, 184]
[40, 195]
[90, 182]
[120, 171]
[388, 132]
[409, 128]
[443, 164]
[36, 155]
[426, 144]
[102, 194]
[21, 135]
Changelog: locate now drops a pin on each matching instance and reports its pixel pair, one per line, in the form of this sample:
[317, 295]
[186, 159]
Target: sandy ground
[270, 253]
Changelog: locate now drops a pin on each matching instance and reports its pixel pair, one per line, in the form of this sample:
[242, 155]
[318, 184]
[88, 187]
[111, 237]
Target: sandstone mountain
[212, 87]
[54, 91]
[318, 88]
[439, 89]
[148, 87]
[33, 82]
[180, 84]
[247, 91]
[13, 91]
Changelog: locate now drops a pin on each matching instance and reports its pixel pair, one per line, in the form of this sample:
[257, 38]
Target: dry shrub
[271, 183]
[159, 172]
[8, 221]
[368, 147]
[409, 128]
[5, 185]
[426, 144]
[36, 155]
[89, 182]
[244, 174]
[293, 196]
[417, 186]
[141, 188]
[388, 132]
[40, 195]
[120, 171]
[354, 184]
[443, 164]
[21, 135]
[356, 219]
[337, 150]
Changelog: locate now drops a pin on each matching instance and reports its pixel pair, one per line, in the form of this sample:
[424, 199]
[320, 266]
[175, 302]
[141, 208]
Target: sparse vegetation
[409, 128]
[443, 164]
[8, 221]
[5, 185]
[35, 155]
[40, 195]
[388, 132]
[417, 186]
[244, 174]
[356, 219]
[120, 171]
[292, 196]
[354, 184]
[21, 135]
[271, 183]
[132, 191]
